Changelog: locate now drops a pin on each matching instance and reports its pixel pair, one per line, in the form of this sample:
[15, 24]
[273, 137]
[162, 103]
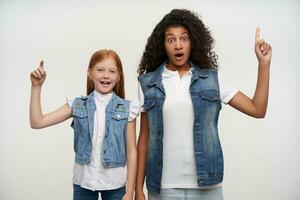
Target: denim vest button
[118, 116]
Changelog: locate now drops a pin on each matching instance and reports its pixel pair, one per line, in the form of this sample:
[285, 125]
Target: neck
[102, 97]
[181, 69]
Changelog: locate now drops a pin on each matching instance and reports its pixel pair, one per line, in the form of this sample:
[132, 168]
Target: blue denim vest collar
[204, 91]
[113, 146]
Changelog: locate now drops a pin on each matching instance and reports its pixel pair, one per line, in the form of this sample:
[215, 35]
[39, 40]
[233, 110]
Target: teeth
[102, 82]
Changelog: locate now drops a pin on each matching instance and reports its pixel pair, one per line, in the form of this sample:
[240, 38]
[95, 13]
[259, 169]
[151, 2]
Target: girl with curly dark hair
[202, 43]
[181, 94]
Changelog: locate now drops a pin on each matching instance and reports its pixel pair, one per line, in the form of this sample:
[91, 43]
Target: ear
[89, 73]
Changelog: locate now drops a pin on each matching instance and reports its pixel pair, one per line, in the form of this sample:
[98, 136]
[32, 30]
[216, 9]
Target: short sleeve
[227, 91]
[141, 99]
[134, 110]
[69, 102]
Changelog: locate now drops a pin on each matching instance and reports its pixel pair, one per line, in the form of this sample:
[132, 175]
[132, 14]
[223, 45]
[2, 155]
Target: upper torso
[94, 175]
[179, 168]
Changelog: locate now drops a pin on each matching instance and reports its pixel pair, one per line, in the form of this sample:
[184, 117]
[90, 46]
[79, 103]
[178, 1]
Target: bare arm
[142, 156]
[37, 118]
[131, 155]
[257, 106]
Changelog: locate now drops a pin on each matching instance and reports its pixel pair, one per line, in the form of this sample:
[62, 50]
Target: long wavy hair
[202, 53]
[99, 56]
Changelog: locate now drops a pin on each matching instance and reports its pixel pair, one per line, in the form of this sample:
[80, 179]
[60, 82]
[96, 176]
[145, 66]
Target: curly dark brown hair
[202, 53]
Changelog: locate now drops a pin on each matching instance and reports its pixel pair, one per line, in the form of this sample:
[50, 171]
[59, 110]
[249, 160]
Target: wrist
[36, 86]
[129, 190]
[130, 194]
[139, 190]
[264, 63]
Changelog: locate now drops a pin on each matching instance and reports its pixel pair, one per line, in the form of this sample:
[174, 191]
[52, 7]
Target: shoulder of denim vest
[152, 78]
[121, 104]
[203, 71]
[81, 100]
[119, 100]
[78, 103]
[146, 76]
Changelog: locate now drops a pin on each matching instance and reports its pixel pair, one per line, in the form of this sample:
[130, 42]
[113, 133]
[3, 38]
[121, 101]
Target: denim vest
[113, 147]
[204, 91]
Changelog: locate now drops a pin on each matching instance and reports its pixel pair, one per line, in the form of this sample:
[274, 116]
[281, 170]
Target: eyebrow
[171, 34]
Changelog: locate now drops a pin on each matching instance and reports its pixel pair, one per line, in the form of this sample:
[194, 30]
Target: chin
[181, 63]
[105, 91]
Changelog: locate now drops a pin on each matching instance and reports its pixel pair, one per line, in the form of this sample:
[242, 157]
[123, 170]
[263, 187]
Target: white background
[261, 156]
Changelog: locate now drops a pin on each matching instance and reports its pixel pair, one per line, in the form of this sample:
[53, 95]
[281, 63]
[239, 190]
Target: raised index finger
[42, 64]
[257, 35]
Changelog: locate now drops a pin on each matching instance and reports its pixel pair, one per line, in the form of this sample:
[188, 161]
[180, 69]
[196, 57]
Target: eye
[170, 40]
[185, 38]
[100, 69]
[112, 71]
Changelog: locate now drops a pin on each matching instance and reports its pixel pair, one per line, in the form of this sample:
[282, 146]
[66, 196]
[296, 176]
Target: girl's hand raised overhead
[263, 50]
[38, 76]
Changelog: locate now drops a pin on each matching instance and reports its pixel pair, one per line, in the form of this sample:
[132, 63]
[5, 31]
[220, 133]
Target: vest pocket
[210, 95]
[81, 113]
[119, 115]
[211, 104]
[118, 124]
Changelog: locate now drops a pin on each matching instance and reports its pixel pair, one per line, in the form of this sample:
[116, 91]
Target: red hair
[99, 56]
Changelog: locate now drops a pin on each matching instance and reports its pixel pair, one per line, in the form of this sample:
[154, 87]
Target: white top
[94, 176]
[179, 167]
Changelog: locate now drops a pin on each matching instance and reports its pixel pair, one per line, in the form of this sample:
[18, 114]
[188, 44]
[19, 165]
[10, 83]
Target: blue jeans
[85, 194]
[187, 194]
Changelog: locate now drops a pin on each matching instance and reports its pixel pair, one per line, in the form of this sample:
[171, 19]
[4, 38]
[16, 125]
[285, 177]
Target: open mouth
[179, 56]
[105, 83]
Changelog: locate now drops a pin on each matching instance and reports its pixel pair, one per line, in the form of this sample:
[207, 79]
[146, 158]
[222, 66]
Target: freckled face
[178, 46]
[104, 75]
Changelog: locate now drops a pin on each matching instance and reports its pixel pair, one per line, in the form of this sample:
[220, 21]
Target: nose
[106, 73]
[178, 44]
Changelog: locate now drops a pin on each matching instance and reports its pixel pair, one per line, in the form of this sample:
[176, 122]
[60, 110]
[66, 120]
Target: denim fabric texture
[113, 148]
[80, 193]
[205, 94]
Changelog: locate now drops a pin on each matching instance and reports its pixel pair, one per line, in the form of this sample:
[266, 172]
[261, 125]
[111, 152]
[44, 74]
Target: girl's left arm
[131, 156]
[257, 106]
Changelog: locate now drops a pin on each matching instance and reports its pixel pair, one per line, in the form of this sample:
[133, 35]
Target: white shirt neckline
[167, 73]
[102, 98]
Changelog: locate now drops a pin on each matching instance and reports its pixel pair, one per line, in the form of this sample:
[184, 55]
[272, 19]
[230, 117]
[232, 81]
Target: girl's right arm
[142, 148]
[37, 118]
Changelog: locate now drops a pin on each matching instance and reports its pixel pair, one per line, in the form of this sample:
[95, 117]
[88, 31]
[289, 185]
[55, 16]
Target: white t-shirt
[179, 167]
[94, 176]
